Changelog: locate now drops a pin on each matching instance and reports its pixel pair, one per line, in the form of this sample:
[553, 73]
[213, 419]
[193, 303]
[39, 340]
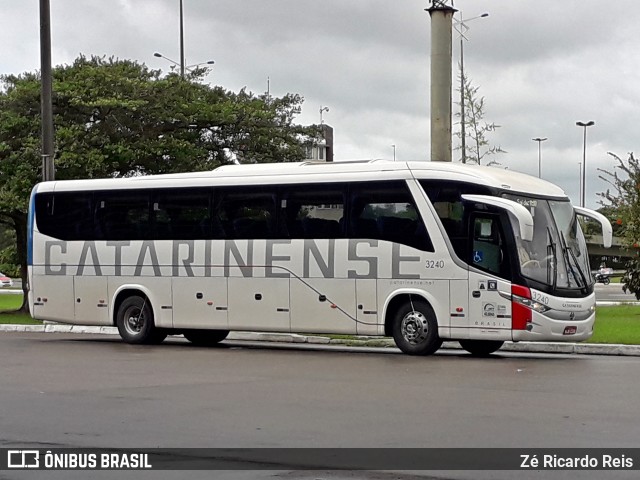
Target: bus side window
[122, 215]
[246, 213]
[182, 214]
[386, 211]
[313, 211]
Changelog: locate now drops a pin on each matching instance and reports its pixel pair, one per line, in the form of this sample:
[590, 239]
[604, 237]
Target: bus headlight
[532, 304]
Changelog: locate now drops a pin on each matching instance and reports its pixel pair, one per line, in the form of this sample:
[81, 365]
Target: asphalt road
[75, 390]
[613, 293]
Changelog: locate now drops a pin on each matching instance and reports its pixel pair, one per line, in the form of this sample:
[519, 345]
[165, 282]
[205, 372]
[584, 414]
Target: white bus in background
[418, 251]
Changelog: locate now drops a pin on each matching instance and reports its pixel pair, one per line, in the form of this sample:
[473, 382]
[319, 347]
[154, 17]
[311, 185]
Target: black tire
[205, 338]
[481, 348]
[606, 281]
[135, 322]
[415, 328]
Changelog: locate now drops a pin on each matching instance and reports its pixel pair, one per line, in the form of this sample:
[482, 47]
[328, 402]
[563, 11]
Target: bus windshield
[557, 254]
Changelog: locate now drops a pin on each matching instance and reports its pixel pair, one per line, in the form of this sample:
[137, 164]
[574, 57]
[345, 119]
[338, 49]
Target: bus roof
[311, 172]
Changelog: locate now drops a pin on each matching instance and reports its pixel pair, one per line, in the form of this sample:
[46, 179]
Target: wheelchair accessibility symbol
[477, 256]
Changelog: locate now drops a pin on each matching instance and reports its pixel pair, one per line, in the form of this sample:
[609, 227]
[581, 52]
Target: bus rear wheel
[481, 348]
[135, 322]
[204, 338]
[415, 328]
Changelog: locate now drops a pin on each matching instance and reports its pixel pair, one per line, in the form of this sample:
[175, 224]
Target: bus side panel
[259, 304]
[489, 307]
[459, 300]
[52, 297]
[323, 305]
[200, 302]
[157, 290]
[367, 307]
[91, 300]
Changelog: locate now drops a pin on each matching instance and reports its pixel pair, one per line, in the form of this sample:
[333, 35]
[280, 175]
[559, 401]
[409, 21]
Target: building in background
[322, 151]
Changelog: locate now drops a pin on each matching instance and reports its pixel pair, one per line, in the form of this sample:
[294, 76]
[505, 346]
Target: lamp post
[394, 152]
[584, 125]
[322, 110]
[539, 140]
[183, 68]
[182, 65]
[462, 28]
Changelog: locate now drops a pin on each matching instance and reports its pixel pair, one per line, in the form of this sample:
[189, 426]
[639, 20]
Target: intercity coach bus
[419, 251]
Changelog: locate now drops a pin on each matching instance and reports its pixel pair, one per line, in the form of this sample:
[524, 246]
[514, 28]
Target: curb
[372, 342]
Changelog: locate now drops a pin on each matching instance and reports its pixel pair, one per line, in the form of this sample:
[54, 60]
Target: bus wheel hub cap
[414, 327]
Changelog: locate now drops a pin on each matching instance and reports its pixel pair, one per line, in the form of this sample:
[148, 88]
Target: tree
[622, 202]
[477, 145]
[117, 118]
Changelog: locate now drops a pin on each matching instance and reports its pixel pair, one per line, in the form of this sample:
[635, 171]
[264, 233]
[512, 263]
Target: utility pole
[441, 23]
[46, 103]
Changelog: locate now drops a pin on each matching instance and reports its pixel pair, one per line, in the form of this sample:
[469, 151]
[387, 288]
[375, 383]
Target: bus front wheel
[204, 338]
[135, 322]
[415, 328]
[481, 348]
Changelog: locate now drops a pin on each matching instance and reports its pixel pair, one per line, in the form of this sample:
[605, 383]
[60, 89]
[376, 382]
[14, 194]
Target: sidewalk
[379, 342]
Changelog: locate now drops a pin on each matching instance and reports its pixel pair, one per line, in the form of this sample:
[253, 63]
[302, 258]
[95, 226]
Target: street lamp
[322, 110]
[462, 29]
[539, 140]
[183, 68]
[584, 125]
[182, 61]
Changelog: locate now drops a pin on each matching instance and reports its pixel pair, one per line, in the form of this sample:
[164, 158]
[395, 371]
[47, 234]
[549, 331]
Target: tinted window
[386, 211]
[66, 216]
[313, 211]
[183, 215]
[122, 215]
[246, 213]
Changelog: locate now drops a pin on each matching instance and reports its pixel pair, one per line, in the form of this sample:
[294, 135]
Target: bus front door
[489, 284]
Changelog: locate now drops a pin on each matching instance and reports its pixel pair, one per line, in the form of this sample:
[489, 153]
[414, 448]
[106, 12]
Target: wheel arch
[398, 298]
[126, 291]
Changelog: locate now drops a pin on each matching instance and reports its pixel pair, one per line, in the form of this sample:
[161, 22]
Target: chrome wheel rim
[134, 320]
[414, 327]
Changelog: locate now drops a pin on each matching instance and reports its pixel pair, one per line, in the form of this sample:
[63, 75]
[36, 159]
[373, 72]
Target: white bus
[418, 251]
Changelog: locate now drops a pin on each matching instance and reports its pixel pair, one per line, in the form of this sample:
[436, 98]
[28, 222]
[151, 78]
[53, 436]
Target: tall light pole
[394, 152]
[46, 107]
[584, 125]
[462, 28]
[539, 140]
[579, 179]
[182, 67]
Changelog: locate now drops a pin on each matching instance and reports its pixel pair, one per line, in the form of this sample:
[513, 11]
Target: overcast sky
[541, 66]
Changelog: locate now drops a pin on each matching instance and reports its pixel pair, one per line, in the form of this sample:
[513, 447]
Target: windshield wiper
[551, 252]
[567, 251]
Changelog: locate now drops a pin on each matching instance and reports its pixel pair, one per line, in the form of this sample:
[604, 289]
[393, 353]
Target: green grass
[617, 324]
[9, 303]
